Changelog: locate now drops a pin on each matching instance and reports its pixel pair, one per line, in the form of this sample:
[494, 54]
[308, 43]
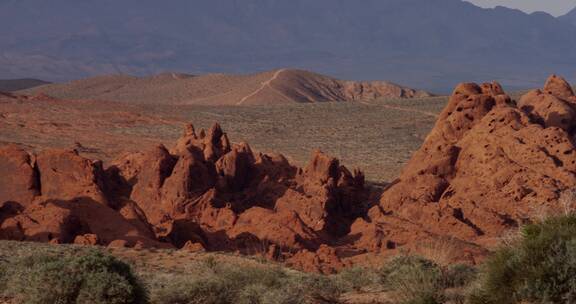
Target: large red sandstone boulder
[44, 222]
[559, 87]
[485, 167]
[64, 221]
[548, 109]
[235, 168]
[87, 239]
[147, 192]
[19, 180]
[283, 228]
[66, 175]
[66, 196]
[190, 179]
[324, 260]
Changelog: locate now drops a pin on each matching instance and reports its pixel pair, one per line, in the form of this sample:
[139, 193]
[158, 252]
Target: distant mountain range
[429, 44]
[10, 85]
[570, 17]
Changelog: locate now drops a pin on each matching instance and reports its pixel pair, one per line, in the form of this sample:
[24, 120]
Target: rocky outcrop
[487, 166]
[203, 194]
[59, 196]
[65, 175]
[19, 179]
[241, 201]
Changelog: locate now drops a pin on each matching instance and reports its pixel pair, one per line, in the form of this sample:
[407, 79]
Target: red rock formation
[156, 167]
[42, 223]
[65, 175]
[205, 193]
[559, 87]
[324, 260]
[62, 196]
[19, 180]
[87, 239]
[485, 167]
[232, 199]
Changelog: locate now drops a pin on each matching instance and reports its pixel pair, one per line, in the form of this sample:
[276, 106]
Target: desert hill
[9, 85]
[489, 165]
[279, 86]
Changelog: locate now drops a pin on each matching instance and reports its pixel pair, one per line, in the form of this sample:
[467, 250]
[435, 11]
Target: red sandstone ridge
[488, 165]
[205, 192]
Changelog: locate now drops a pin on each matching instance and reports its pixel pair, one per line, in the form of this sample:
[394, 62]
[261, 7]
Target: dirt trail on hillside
[262, 87]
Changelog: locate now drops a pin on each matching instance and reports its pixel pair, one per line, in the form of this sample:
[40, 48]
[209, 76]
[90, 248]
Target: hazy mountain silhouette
[420, 43]
[9, 85]
[570, 17]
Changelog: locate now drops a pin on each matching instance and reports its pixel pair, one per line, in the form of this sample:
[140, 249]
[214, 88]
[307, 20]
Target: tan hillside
[279, 86]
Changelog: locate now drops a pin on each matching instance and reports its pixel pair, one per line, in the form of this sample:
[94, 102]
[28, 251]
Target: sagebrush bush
[413, 279]
[356, 279]
[220, 283]
[459, 275]
[417, 280]
[538, 268]
[317, 288]
[3, 278]
[89, 278]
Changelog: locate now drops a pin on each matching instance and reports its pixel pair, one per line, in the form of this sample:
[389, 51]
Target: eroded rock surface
[202, 194]
[490, 164]
[487, 166]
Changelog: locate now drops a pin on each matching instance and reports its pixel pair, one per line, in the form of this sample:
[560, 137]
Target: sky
[553, 7]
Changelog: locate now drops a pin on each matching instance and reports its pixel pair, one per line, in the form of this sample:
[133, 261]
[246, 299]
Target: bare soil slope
[279, 86]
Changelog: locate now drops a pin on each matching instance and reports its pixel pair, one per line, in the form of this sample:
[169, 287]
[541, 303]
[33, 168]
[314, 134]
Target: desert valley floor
[377, 137]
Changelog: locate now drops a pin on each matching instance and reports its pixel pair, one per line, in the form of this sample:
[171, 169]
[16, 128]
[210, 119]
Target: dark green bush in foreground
[67, 275]
[91, 278]
[539, 268]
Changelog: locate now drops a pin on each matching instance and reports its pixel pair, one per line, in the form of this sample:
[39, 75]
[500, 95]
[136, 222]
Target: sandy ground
[376, 137]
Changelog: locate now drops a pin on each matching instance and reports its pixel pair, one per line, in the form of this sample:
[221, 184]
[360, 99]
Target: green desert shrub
[196, 291]
[317, 288]
[216, 283]
[417, 280]
[89, 278]
[413, 280]
[3, 278]
[356, 279]
[459, 275]
[538, 268]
